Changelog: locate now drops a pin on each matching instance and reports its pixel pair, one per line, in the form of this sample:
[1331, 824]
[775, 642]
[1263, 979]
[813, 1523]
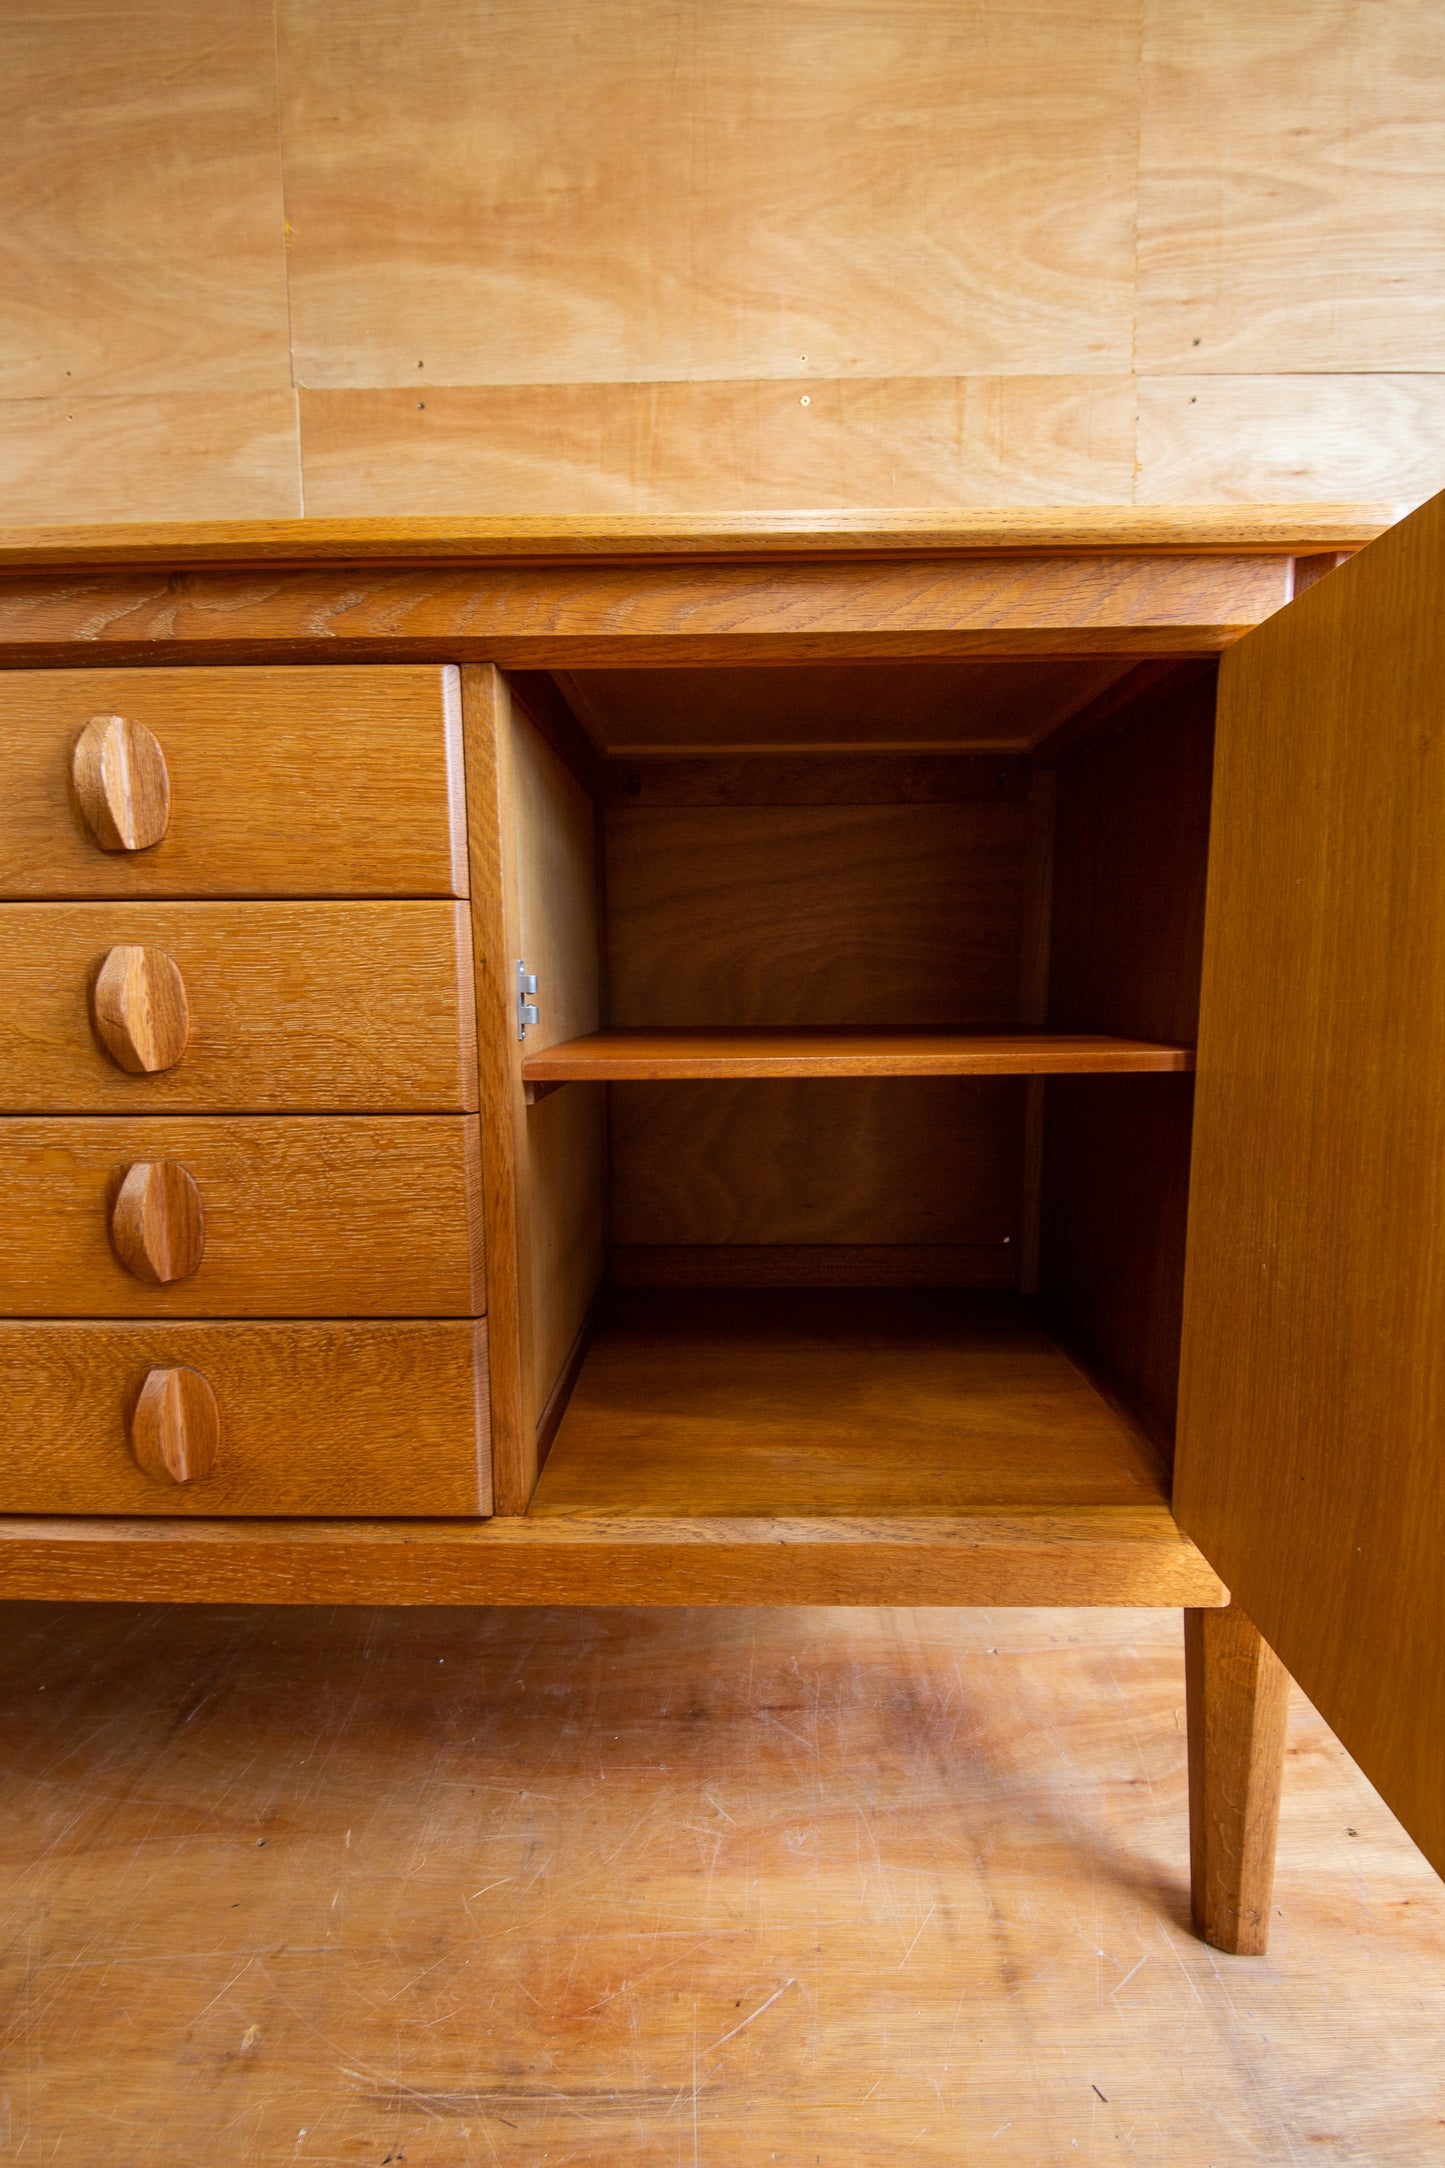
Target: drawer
[291, 1007]
[241, 1216]
[314, 1419]
[316, 782]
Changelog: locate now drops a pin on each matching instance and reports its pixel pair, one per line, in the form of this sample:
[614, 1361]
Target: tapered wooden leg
[1237, 1697]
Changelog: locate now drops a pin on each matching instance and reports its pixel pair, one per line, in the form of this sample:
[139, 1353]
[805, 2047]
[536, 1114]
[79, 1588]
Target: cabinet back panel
[1132, 837]
[816, 779]
[801, 1161]
[912, 916]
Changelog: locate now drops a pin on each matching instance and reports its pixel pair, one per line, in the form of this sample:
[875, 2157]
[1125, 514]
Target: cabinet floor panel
[648, 1055]
[834, 1402]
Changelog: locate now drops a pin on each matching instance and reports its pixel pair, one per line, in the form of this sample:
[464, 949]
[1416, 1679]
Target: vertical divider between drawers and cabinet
[533, 829]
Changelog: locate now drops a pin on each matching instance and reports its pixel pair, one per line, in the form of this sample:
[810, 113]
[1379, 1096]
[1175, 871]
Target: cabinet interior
[884, 1293]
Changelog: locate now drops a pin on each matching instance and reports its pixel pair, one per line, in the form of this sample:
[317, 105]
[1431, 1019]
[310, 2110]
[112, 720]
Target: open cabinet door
[1311, 1464]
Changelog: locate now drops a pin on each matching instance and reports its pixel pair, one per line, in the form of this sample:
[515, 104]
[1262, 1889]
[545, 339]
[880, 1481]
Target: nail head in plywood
[122, 783]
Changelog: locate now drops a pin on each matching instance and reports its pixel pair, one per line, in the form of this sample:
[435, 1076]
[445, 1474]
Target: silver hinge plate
[527, 1010]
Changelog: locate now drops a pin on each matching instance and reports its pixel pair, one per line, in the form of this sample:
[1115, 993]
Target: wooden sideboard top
[1282, 530]
[608, 593]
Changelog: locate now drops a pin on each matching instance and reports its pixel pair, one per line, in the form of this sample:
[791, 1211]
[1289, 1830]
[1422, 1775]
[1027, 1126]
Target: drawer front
[307, 1419]
[232, 1216]
[280, 782]
[296, 1008]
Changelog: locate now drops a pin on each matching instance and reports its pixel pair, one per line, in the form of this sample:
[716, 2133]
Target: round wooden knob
[175, 1432]
[157, 1224]
[141, 1015]
[122, 784]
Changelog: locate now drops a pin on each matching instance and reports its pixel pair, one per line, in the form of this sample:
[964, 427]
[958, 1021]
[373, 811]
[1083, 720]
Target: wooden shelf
[834, 1402]
[622, 1056]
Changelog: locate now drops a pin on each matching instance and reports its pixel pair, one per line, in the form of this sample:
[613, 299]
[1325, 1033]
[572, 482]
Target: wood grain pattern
[814, 1164]
[1318, 566]
[1113, 1229]
[895, 918]
[1289, 164]
[1113, 708]
[670, 1809]
[1129, 1554]
[645, 715]
[554, 844]
[304, 1216]
[882, 916]
[628, 447]
[1131, 855]
[327, 1419]
[1238, 1704]
[175, 1426]
[733, 174]
[567, 1196]
[811, 778]
[774, 1263]
[696, 1405]
[121, 782]
[287, 782]
[1313, 1303]
[1237, 438]
[109, 116]
[1006, 442]
[140, 1010]
[152, 456]
[538, 693]
[307, 1007]
[533, 842]
[157, 1222]
[554, 854]
[496, 946]
[1191, 529]
[562, 616]
[1132, 843]
[552, 1407]
[623, 1056]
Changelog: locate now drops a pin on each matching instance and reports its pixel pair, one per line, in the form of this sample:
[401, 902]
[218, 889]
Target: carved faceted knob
[175, 1432]
[141, 1015]
[157, 1224]
[122, 783]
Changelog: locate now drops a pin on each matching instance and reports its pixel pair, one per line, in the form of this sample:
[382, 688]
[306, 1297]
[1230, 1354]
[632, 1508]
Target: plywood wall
[267, 256]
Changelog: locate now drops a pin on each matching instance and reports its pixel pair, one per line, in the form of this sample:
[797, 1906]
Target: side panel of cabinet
[533, 874]
[1310, 1465]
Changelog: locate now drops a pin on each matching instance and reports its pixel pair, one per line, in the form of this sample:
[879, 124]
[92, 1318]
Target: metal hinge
[527, 1010]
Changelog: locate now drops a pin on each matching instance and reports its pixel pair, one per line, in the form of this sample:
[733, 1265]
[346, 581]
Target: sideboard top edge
[1283, 530]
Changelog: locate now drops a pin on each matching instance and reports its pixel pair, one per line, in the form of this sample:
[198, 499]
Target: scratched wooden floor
[540, 1887]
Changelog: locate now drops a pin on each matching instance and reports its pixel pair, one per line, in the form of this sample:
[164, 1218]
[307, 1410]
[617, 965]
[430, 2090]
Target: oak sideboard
[818, 1058]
